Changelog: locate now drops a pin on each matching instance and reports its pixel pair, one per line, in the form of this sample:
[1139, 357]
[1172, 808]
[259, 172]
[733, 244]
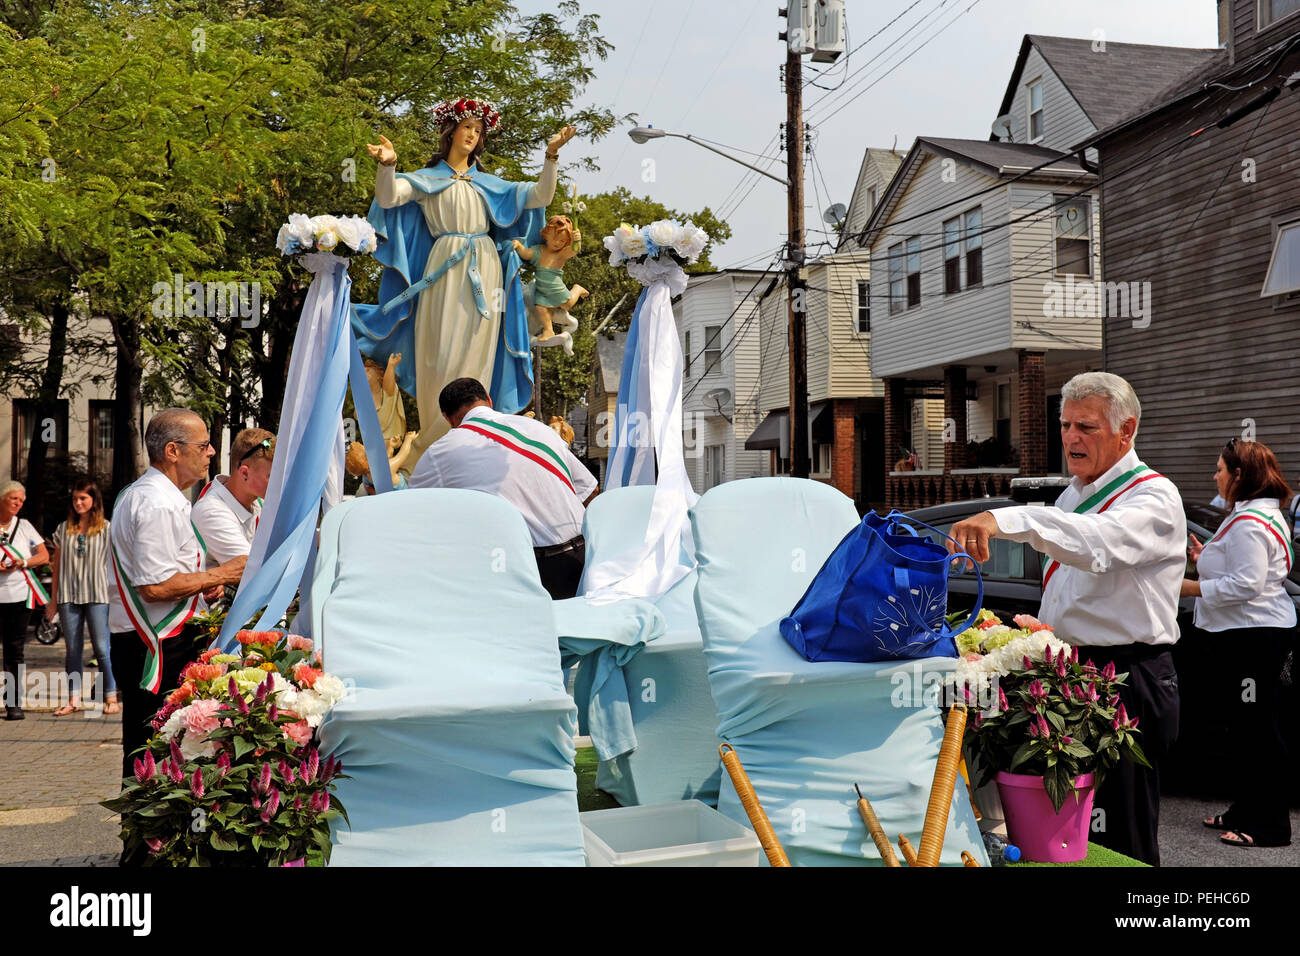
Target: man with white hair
[157, 576]
[1116, 547]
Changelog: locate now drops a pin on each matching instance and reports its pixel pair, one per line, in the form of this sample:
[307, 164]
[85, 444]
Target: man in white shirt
[157, 579]
[1116, 554]
[226, 512]
[522, 461]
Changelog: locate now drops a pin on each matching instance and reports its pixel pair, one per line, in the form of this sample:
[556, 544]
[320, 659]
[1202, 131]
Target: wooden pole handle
[941, 790]
[753, 809]
[876, 830]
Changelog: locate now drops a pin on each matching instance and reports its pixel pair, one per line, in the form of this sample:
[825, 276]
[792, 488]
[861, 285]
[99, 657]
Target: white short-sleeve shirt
[518, 459]
[154, 540]
[227, 526]
[23, 538]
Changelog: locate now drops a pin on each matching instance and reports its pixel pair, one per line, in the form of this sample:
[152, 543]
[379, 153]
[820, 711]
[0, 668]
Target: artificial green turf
[589, 798]
[1097, 856]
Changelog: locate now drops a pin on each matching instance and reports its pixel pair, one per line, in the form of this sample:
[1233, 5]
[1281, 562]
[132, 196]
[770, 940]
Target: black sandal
[1245, 839]
[1217, 823]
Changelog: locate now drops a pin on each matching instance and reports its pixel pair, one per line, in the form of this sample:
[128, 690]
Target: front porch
[987, 433]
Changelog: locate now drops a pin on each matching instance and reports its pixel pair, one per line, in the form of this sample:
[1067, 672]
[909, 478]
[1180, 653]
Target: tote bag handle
[901, 579]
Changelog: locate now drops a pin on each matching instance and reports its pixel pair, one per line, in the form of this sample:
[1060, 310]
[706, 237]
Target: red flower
[305, 675]
[472, 105]
[247, 637]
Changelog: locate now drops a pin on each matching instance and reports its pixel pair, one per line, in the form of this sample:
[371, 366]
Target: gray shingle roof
[1016, 157]
[1113, 85]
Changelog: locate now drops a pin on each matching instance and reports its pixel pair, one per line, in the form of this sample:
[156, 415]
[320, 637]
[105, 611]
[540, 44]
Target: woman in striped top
[1241, 599]
[80, 591]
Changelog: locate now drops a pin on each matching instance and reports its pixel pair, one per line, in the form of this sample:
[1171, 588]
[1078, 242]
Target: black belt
[553, 550]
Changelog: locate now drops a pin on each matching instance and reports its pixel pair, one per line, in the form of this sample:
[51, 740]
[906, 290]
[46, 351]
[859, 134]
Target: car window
[1006, 558]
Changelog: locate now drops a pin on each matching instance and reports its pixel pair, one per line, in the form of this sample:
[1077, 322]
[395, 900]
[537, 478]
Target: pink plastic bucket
[1042, 834]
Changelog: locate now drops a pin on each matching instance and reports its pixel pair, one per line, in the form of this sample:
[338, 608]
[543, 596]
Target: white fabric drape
[666, 554]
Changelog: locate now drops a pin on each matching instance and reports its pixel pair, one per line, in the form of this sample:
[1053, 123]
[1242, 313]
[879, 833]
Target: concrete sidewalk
[53, 773]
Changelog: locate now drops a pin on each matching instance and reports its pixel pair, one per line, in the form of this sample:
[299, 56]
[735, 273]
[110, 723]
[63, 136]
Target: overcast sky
[710, 68]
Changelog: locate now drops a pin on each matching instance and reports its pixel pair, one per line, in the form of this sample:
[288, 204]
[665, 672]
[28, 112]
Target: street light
[643, 134]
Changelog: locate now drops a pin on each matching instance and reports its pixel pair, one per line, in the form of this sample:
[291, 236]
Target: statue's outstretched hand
[560, 138]
[384, 152]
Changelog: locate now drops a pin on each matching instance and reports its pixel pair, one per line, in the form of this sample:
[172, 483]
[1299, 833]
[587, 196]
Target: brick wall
[1032, 398]
[842, 454]
[954, 413]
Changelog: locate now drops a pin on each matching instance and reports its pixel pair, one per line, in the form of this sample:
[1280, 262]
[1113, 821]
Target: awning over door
[773, 433]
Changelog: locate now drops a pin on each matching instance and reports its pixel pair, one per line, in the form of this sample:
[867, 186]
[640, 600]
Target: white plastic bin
[685, 833]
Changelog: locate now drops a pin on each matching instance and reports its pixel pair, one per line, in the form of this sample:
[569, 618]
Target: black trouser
[1130, 794]
[14, 616]
[127, 654]
[560, 566]
[1252, 665]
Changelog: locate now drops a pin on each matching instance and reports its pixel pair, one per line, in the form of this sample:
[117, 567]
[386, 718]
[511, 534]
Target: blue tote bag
[880, 596]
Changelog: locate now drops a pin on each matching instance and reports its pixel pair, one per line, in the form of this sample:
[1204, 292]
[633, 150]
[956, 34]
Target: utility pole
[797, 299]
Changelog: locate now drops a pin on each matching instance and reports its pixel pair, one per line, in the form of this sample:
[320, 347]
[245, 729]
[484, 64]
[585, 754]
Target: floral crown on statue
[456, 110]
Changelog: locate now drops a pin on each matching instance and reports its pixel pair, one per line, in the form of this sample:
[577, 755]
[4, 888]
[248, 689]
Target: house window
[821, 459]
[914, 271]
[952, 256]
[864, 306]
[1283, 276]
[712, 348]
[686, 355]
[1003, 426]
[1073, 246]
[975, 247]
[715, 460]
[1271, 11]
[51, 429]
[99, 455]
[1035, 101]
[897, 279]
[871, 198]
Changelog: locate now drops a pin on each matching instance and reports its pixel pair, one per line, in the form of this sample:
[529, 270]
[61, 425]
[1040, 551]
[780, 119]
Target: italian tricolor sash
[172, 623]
[1103, 499]
[36, 596]
[535, 451]
[1268, 521]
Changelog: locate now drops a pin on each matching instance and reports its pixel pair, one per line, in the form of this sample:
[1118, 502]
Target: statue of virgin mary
[450, 299]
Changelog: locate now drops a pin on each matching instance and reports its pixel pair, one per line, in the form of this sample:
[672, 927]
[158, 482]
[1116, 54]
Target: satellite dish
[835, 214]
[1002, 127]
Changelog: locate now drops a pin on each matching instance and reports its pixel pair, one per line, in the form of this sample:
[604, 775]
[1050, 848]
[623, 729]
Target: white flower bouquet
[338, 234]
[661, 240]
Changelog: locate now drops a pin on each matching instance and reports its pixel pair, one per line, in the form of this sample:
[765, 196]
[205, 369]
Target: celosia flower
[1037, 691]
[154, 844]
[177, 759]
[1108, 671]
[271, 806]
[263, 782]
[1074, 654]
[223, 763]
[1033, 729]
[140, 774]
[297, 803]
[272, 713]
[1003, 704]
[1028, 664]
[1045, 730]
[196, 784]
[174, 773]
[312, 765]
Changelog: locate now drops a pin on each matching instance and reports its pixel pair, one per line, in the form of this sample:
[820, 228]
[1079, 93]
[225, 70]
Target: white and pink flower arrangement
[340, 235]
[235, 751]
[663, 239]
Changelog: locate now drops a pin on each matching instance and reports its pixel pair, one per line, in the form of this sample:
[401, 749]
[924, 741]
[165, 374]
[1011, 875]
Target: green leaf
[1023, 753]
[219, 841]
[1056, 720]
[242, 746]
[1136, 753]
[1058, 786]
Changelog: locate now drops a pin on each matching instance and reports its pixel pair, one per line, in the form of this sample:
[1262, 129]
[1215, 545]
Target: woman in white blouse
[1241, 599]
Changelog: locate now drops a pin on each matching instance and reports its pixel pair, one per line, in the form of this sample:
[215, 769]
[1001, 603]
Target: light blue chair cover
[667, 690]
[457, 732]
[605, 637]
[806, 732]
